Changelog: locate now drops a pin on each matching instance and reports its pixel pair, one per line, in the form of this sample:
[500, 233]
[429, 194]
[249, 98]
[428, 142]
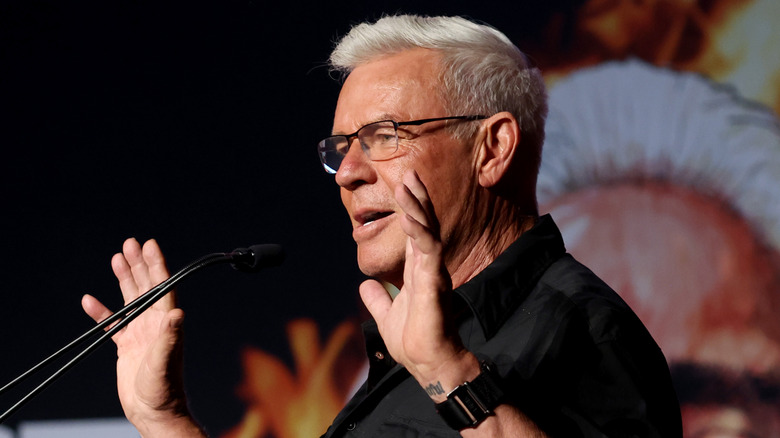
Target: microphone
[252, 259]
[257, 257]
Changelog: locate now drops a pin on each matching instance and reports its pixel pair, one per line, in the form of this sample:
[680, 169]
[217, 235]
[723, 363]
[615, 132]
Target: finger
[153, 257]
[414, 222]
[424, 271]
[376, 299]
[158, 271]
[416, 187]
[123, 273]
[96, 310]
[135, 259]
[413, 198]
[411, 206]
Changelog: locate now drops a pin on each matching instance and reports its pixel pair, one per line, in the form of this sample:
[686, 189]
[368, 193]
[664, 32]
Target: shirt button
[379, 355]
[351, 426]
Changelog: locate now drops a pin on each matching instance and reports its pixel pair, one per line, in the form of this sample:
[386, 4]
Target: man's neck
[484, 249]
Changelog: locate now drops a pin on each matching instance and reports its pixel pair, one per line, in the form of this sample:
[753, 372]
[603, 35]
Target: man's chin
[381, 266]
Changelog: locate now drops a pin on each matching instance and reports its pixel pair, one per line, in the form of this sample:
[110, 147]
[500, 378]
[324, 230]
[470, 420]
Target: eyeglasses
[379, 141]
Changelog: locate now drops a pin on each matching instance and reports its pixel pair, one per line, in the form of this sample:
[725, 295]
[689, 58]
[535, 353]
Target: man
[437, 141]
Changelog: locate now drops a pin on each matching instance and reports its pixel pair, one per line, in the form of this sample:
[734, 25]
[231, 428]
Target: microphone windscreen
[257, 257]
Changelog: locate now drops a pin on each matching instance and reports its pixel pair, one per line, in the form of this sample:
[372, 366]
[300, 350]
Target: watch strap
[470, 403]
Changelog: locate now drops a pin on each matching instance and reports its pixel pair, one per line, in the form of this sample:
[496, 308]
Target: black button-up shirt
[571, 354]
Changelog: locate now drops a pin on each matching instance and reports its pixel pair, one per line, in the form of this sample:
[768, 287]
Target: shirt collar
[494, 294]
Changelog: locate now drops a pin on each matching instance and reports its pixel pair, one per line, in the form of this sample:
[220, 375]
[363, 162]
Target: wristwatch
[470, 403]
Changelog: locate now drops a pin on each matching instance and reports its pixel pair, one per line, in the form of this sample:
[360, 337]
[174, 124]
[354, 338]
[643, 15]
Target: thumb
[160, 383]
[376, 298]
[164, 358]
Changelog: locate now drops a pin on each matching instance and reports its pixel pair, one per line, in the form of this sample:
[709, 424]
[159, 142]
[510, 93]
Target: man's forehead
[394, 87]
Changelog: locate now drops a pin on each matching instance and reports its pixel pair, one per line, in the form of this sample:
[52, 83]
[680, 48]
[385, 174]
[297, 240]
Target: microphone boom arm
[245, 259]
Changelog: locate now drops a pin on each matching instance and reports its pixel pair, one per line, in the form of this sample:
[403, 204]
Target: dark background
[194, 123]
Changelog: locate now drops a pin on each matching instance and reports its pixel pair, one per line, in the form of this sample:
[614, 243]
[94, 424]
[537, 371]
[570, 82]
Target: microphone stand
[244, 259]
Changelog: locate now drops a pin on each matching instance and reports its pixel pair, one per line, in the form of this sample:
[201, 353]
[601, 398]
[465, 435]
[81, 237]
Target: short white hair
[483, 72]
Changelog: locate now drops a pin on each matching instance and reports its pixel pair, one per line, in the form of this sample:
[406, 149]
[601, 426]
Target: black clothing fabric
[571, 354]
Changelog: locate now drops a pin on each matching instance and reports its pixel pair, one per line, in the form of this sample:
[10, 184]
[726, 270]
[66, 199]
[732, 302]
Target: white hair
[482, 71]
[629, 121]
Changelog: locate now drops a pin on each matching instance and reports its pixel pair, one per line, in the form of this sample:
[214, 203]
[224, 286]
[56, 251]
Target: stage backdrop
[195, 123]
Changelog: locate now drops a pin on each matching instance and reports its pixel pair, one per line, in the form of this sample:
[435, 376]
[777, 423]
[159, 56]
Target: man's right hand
[149, 349]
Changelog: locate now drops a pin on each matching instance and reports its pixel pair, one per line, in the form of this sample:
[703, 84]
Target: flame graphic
[287, 405]
[731, 41]
[743, 51]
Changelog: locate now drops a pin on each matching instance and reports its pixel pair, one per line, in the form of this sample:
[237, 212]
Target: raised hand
[149, 349]
[417, 326]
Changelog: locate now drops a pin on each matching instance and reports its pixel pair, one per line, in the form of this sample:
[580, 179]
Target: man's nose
[355, 169]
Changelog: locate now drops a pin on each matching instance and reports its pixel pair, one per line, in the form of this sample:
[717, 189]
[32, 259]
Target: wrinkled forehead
[404, 86]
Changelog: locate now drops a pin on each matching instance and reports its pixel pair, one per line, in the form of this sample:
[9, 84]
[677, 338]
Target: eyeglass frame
[396, 125]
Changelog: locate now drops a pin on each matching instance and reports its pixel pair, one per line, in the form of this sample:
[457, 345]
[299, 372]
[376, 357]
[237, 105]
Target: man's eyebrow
[378, 118]
[386, 116]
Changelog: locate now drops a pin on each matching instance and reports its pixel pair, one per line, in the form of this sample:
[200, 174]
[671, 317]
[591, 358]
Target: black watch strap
[470, 403]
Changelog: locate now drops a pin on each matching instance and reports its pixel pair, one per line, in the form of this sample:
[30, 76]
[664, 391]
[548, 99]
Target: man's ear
[498, 147]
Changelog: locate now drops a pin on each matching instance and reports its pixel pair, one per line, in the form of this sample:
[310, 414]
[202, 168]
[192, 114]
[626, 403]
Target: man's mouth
[369, 218]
